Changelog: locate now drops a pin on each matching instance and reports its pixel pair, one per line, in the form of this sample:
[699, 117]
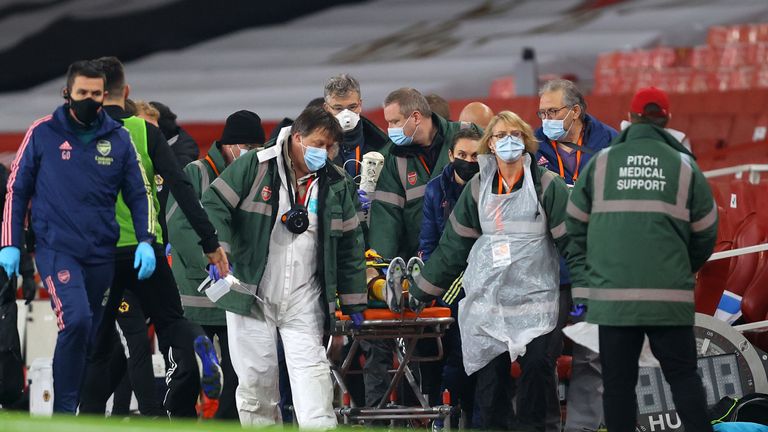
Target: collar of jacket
[638, 131]
[274, 147]
[592, 128]
[373, 137]
[107, 123]
[217, 157]
[414, 150]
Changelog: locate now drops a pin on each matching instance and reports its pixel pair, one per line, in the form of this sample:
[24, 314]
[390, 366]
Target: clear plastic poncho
[512, 278]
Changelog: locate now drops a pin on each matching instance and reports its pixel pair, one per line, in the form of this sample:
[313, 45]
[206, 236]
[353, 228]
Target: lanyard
[213, 166]
[501, 182]
[303, 198]
[357, 158]
[560, 160]
[424, 162]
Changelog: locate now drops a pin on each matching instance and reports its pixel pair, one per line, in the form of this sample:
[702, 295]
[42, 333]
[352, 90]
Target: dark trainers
[211, 378]
[394, 289]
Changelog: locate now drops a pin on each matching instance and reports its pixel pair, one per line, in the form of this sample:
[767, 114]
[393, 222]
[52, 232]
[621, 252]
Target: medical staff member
[288, 217]
[71, 166]
[643, 218]
[242, 132]
[506, 230]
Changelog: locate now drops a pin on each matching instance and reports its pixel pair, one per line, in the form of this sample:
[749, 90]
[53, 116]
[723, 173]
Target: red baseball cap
[649, 95]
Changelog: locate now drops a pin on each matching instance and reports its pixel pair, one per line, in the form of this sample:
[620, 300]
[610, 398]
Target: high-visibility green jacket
[188, 260]
[396, 210]
[643, 215]
[463, 229]
[137, 128]
[243, 207]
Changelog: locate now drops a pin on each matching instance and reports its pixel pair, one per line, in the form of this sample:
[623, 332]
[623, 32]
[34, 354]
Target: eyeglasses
[549, 113]
[503, 134]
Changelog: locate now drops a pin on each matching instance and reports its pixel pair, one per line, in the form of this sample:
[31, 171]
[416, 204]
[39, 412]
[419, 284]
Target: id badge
[502, 255]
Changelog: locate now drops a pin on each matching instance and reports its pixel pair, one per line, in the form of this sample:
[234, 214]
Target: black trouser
[130, 356]
[675, 348]
[160, 301]
[227, 407]
[494, 391]
[454, 378]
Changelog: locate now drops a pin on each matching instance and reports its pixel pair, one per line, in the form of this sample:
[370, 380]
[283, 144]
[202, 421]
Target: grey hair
[341, 85]
[410, 100]
[571, 94]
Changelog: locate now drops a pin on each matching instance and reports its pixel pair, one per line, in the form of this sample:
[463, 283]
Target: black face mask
[86, 110]
[465, 170]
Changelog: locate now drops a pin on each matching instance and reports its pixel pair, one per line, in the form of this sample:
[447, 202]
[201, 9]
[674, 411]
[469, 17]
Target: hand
[29, 289]
[219, 261]
[365, 202]
[144, 260]
[415, 304]
[357, 319]
[214, 274]
[578, 310]
[9, 260]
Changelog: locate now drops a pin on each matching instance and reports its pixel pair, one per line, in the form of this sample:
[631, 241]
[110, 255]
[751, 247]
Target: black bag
[750, 408]
[11, 364]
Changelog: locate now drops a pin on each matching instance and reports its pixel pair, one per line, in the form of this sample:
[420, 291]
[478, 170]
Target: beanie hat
[242, 127]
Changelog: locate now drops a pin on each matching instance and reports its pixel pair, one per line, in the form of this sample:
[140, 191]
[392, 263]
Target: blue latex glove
[578, 310]
[365, 202]
[357, 319]
[213, 272]
[144, 260]
[168, 249]
[9, 260]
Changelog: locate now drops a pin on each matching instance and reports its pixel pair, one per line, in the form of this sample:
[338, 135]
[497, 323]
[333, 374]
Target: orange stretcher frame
[405, 329]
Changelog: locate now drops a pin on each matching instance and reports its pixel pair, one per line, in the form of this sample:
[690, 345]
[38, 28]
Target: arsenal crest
[412, 178]
[63, 276]
[266, 193]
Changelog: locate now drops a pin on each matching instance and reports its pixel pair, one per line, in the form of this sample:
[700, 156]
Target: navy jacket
[597, 136]
[439, 199]
[73, 188]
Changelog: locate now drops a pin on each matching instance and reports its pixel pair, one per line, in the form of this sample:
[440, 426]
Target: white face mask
[240, 153]
[348, 120]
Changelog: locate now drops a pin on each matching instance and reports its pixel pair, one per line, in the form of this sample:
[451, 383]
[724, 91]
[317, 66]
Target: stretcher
[405, 329]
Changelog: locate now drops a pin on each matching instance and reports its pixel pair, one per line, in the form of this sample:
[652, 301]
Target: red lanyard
[560, 160]
[303, 198]
[210, 162]
[424, 162]
[501, 182]
[357, 158]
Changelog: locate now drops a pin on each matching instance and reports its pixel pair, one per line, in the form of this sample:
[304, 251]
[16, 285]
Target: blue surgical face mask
[399, 137]
[510, 148]
[554, 129]
[314, 157]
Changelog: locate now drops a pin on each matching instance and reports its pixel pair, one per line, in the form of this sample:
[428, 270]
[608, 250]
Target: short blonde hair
[513, 120]
[143, 108]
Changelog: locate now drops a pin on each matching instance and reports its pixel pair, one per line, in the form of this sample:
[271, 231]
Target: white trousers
[253, 350]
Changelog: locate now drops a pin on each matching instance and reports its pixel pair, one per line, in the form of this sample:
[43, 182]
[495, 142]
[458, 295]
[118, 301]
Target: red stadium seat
[754, 305]
[743, 267]
[711, 281]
